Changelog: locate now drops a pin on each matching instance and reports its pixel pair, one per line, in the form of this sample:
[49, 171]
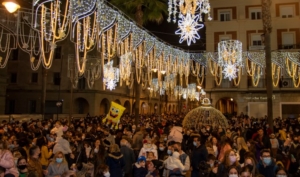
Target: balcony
[256, 47]
[226, 84]
[288, 46]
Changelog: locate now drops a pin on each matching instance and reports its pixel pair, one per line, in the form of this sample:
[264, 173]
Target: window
[225, 16]
[224, 38]
[256, 40]
[57, 53]
[10, 107]
[287, 11]
[81, 83]
[34, 77]
[13, 78]
[255, 14]
[14, 55]
[32, 106]
[56, 78]
[288, 40]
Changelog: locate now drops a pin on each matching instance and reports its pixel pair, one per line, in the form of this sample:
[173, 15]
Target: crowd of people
[155, 147]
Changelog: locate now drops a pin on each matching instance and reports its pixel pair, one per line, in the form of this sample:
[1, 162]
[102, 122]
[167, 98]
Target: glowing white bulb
[11, 6]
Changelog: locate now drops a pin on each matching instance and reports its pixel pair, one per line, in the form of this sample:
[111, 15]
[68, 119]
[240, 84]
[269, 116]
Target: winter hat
[141, 158]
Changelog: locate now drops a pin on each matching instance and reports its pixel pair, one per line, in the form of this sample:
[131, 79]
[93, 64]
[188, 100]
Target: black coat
[116, 164]
[199, 154]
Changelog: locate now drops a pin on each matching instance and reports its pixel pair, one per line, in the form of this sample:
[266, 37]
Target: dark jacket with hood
[116, 163]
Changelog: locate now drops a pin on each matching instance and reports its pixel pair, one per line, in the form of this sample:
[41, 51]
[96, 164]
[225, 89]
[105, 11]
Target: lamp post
[266, 39]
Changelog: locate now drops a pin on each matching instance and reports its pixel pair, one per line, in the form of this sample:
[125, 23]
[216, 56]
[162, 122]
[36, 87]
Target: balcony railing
[256, 47]
[289, 46]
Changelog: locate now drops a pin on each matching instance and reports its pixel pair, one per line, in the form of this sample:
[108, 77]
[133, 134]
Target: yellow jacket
[45, 155]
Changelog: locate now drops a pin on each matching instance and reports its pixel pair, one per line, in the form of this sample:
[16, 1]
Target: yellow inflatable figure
[114, 114]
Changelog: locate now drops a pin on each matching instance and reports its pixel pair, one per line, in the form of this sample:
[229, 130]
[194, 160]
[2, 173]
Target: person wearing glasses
[266, 166]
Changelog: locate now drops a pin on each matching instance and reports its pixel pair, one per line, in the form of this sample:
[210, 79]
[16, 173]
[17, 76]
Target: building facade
[242, 20]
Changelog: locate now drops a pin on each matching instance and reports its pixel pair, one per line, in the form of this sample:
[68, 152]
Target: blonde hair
[56, 156]
[241, 144]
[114, 148]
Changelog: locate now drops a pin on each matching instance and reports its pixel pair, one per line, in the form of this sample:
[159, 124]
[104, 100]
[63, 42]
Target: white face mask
[106, 174]
[233, 175]
[281, 176]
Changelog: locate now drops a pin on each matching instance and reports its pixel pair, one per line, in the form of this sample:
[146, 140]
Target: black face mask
[22, 167]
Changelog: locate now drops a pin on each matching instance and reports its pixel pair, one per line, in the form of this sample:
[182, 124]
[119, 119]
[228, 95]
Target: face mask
[211, 165]
[161, 148]
[22, 167]
[46, 128]
[233, 175]
[267, 160]
[195, 143]
[11, 146]
[165, 139]
[169, 152]
[59, 160]
[106, 174]
[51, 139]
[281, 176]
[96, 150]
[232, 159]
[133, 130]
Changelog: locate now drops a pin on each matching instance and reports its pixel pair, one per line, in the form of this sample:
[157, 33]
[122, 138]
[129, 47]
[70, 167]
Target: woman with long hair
[58, 166]
[246, 171]
[7, 160]
[46, 153]
[98, 153]
[229, 160]
[225, 146]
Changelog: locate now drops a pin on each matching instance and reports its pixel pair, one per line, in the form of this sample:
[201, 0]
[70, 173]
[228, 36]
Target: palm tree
[143, 11]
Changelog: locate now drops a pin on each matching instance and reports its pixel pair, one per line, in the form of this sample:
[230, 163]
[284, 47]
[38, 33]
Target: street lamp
[11, 5]
[58, 104]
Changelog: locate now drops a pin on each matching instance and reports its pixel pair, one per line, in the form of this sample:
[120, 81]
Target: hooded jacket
[116, 164]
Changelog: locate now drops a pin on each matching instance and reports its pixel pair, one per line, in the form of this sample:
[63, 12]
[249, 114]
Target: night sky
[166, 32]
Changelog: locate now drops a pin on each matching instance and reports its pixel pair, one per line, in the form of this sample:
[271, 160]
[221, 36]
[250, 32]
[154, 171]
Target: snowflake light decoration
[111, 75]
[188, 28]
[230, 71]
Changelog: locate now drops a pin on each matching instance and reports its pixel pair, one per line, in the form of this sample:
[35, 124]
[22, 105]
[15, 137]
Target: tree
[143, 11]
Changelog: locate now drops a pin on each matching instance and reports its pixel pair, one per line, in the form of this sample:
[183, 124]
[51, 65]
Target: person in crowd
[232, 172]
[98, 154]
[199, 154]
[215, 146]
[152, 167]
[7, 160]
[46, 153]
[128, 154]
[148, 147]
[230, 159]
[225, 146]
[246, 171]
[22, 167]
[102, 171]
[58, 166]
[266, 166]
[281, 172]
[183, 157]
[137, 142]
[139, 168]
[274, 145]
[58, 129]
[173, 165]
[35, 168]
[115, 161]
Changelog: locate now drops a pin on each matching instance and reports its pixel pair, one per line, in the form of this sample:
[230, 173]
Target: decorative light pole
[267, 24]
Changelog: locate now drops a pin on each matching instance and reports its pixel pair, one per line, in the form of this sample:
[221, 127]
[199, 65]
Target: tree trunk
[44, 91]
[137, 101]
[267, 24]
[139, 15]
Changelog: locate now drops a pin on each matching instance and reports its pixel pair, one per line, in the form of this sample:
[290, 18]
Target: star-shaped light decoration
[188, 28]
[230, 71]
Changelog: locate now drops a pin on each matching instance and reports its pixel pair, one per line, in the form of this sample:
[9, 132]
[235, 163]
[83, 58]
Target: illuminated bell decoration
[11, 5]
[230, 57]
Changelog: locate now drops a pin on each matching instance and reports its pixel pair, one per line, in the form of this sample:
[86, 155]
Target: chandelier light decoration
[125, 68]
[189, 15]
[111, 76]
[230, 58]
